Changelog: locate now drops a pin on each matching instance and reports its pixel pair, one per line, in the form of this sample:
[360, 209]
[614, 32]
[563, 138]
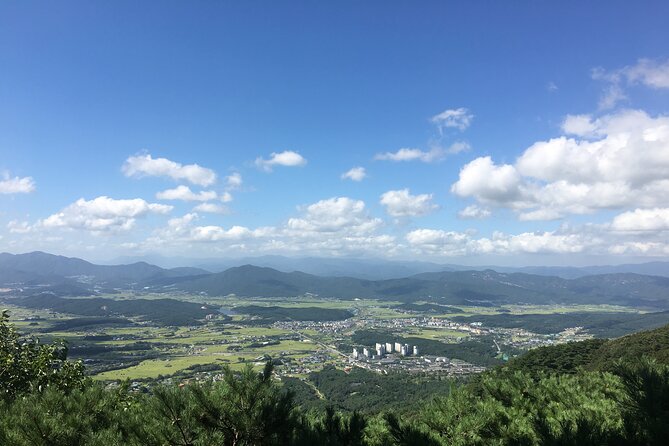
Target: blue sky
[533, 132]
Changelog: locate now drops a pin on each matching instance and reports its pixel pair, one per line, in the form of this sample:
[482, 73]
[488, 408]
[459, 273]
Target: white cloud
[287, 158]
[19, 227]
[551, 87]
[474, 212]
[450, 243]
[490, 183]
[579, 125]
[102, 214]
[337, 214]
[16, 185]
[145, 165]
[185, 194]
[459, 118]
[624, 162]
[459, 147]
[354, 174]
[407, 154]
[233, 181]
[650, 73]
[211, 208]
[642, 220]
[400, 203]
[334, 226]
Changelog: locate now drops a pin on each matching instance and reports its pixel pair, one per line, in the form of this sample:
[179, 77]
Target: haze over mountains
[377, 269]
[38, 272]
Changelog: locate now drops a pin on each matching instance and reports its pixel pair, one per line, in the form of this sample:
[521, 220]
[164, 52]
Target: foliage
[28, 366]
[562, 358]
[627, 405]
[368, 392]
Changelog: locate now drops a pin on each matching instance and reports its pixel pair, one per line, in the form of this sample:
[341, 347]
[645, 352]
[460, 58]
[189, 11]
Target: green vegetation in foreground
[594, 354]
[47, 401]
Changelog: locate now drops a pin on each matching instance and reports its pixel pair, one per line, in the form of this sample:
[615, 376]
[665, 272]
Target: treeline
[46, 400]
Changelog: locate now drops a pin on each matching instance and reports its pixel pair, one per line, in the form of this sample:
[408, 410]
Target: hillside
[595, 354]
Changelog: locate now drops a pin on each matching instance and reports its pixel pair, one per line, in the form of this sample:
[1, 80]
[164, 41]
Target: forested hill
[595, 354]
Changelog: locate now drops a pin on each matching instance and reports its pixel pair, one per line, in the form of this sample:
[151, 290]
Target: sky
[517, 133]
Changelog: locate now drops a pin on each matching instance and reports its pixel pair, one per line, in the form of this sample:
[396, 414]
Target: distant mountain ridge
[449, 287]
[378, 269]
[470, 287]
[44, 265]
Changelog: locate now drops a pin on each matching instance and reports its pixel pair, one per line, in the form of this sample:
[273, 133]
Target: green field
[145, 350]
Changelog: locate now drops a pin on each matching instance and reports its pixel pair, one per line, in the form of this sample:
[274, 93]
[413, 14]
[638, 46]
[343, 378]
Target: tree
[27, 366]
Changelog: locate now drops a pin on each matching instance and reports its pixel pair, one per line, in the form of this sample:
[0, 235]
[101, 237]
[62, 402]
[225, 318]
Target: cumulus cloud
[641, 220]
[145, 165]
[182, 229]
[334, 226]
[474, 212]
[16, 185]
[400, 203]
[337, 214]
[407, 154]
[490, 183]
[579, 125]
[184, 193]
[102, 214]
[623, 162]
[287, 158]
[459, 118]
[354, 174]
[450, 243]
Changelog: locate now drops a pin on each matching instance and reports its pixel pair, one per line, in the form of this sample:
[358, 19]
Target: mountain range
[38, 272]
[379, 269]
